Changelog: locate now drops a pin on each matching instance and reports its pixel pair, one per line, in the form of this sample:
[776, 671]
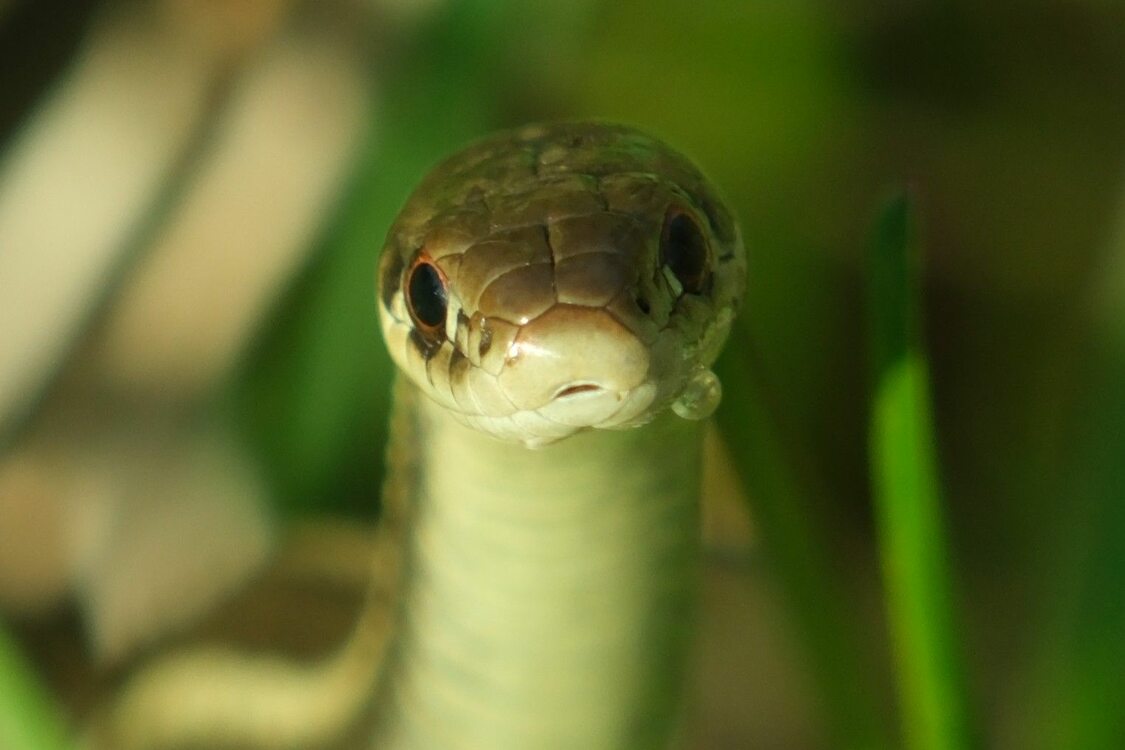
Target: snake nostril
[573, 390]
[643, 305]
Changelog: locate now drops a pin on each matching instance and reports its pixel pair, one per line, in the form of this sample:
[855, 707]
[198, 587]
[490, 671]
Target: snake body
[566, 281]
[554, 297]
[545, 609]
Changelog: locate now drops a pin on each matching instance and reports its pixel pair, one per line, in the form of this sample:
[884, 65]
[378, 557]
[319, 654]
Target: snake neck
[548, 593]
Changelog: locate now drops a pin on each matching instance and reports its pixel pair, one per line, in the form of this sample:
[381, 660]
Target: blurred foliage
[1006, 117]
[29, 718]
[907, 497]
[1078, 659]
[41, 31]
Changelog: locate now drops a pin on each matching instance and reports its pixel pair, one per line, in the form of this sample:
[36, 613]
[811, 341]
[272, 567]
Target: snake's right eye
[685, 252]
[426, 297]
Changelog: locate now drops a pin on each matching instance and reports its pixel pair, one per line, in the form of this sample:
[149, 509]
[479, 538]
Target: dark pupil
[685, 252]
[427, 295]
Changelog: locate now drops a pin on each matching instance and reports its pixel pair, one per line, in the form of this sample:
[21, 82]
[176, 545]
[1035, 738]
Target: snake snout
[578, 363]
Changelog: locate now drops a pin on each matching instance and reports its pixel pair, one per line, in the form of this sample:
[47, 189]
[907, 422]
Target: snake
[554, 298]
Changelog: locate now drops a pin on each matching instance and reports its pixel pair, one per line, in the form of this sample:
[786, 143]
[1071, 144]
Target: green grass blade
[1079, 659]
[29, 719]
[782, 504]
[908, 499]
[1083, 704]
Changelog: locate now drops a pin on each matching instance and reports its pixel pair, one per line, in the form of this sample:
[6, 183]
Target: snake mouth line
[579, 388]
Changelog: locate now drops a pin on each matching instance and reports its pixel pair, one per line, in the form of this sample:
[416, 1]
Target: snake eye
[684, 251]
[426, 296]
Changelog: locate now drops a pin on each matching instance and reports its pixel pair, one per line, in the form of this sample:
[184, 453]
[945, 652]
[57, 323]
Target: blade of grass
[907, 496]
[29, 719]
[1080, 657]
[782, 501]
[1083, 704]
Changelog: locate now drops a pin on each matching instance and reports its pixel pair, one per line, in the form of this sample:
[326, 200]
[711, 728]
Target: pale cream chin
[541, 427]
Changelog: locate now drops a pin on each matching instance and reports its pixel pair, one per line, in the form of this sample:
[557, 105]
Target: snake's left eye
[684, 251]
[426, 296]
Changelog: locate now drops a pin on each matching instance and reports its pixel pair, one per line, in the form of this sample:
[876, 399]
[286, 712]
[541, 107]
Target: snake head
[559, 278]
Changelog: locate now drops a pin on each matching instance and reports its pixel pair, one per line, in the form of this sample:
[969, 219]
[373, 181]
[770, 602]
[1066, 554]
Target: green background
[929, 390]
